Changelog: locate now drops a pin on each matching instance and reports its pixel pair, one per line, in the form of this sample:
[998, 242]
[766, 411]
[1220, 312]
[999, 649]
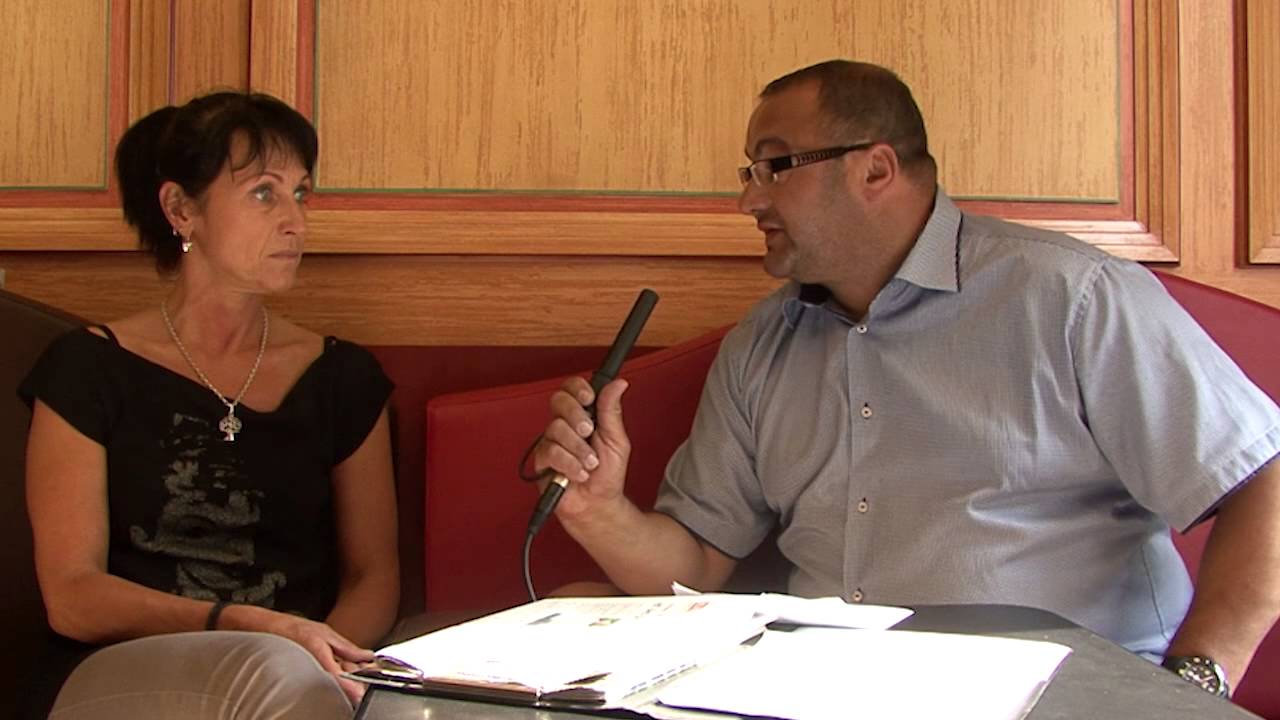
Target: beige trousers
[199, 675]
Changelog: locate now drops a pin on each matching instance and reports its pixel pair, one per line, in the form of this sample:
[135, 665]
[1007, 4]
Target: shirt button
[863, 506]
[856, 596]
[866, 410]
[861, 328]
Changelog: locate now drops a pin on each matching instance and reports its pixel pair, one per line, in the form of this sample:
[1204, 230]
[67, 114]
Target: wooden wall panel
[495, 271]
[183, 48]
[517, 232]
[210, 49]
[53, 87]
[274, 40]
[1021, 98]
[1214, 189]
[654, 96]
[438, 300]
[1262, 19]
[150, 43]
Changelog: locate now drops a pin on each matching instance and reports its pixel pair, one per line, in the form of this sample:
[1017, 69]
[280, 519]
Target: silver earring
[186, 244]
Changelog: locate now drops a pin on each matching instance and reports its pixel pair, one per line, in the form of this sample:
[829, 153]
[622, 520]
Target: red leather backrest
[1250, 333]
[421, 372]
[477, 508]
[1247, 330]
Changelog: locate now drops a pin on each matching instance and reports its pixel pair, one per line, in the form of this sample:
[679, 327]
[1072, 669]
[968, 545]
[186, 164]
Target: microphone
[608, 369]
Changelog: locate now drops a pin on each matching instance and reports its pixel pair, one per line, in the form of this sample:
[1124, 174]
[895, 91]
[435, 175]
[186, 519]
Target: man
[945, 408]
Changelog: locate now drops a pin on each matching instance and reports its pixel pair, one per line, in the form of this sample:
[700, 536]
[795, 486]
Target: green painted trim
[668, 193]
[106, 120]
[55, 188]
[315, 83]
[1047, 199]
[524, 191]
[1120, 108]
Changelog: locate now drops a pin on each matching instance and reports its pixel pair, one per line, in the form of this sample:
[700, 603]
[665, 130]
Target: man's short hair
[864, 102]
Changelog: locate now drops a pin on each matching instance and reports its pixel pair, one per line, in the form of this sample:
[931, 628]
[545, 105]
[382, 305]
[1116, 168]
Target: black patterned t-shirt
[249, 521]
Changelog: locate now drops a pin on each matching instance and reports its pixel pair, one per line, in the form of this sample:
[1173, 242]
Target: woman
[207, 465]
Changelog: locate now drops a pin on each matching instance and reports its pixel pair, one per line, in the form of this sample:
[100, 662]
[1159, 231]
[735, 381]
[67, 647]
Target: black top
[249, 521]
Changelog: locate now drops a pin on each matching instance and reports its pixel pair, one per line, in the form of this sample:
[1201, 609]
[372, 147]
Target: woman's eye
[301, 195]
[262, 193]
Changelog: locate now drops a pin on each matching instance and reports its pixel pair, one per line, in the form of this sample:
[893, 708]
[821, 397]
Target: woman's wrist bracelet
[211, 622]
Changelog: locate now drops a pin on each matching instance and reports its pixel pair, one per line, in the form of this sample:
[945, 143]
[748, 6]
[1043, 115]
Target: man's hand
[593, 456]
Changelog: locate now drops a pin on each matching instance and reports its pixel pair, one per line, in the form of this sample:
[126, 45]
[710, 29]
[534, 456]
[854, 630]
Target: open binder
[620, 653]
[569, 652]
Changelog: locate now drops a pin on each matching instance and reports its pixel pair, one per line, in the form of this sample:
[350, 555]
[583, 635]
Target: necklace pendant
[229, 426]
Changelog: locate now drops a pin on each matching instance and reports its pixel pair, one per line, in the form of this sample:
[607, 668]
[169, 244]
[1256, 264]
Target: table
[1098, 681]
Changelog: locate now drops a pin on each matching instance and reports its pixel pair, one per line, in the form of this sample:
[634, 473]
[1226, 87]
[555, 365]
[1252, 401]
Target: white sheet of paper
[821, 612]
[821, 673]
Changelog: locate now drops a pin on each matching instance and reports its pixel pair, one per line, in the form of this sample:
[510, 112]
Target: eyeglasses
[765, 172]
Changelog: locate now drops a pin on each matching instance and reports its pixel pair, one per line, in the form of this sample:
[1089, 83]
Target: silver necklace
[229, 425]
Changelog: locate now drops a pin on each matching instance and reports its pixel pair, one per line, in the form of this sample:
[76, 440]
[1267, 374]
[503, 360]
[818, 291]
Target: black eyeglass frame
[791, 162]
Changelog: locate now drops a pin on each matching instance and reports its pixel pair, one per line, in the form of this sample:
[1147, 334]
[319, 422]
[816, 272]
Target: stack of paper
[588, 651]
[821, 673]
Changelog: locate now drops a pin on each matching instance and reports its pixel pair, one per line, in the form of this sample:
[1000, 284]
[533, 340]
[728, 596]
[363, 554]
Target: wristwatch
[1200, 671]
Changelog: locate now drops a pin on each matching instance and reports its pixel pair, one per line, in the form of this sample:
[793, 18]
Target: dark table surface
[1099, 680]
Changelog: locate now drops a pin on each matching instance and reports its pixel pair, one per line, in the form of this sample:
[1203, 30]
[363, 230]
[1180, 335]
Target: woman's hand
[335, 653]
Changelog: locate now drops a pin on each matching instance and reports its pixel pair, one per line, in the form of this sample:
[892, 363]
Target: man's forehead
[789, 117]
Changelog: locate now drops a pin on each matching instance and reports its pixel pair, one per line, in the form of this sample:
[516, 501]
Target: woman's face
[250, 225]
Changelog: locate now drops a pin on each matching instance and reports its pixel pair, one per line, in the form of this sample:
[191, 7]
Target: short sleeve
[711, 485]
[71, 378]
[361, 389]
[1178, 420]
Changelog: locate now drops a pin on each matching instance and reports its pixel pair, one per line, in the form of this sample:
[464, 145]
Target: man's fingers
[578, 387]
[563, 451]
[559, 433]
[609, 413]
[570, 410]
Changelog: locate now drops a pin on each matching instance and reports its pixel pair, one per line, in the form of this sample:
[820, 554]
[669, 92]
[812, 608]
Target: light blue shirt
[1018, 419]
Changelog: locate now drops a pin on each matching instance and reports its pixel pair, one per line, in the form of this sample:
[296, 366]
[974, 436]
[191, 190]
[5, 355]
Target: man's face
[808, 213]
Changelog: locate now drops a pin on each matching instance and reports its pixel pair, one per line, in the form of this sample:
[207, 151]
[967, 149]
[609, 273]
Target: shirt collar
[934, 261]
[932, 264]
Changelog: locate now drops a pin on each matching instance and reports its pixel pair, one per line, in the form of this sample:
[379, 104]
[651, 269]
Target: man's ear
[178, 208]
[882, 167]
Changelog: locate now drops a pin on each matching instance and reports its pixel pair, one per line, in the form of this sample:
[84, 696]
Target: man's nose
[752, 199]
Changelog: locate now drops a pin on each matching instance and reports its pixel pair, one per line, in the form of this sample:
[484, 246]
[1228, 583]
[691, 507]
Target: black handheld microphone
[608, 369]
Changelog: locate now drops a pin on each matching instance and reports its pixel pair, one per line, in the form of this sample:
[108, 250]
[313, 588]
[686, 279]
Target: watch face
[1203, 672]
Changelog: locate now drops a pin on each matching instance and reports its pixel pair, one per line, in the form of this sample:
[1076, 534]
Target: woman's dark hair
[190, 145]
